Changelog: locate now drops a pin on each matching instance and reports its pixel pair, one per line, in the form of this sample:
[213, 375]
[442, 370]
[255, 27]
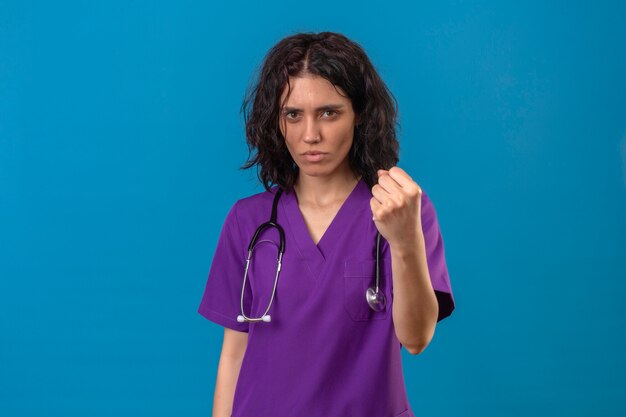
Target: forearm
[415, 306]
[227, 375]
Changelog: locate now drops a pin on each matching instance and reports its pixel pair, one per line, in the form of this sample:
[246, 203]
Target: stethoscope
[375, 298]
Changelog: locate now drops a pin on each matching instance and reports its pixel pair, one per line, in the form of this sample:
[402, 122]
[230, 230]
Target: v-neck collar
[316, 255]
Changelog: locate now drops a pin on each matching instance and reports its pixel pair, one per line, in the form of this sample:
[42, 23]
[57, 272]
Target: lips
[314, 156]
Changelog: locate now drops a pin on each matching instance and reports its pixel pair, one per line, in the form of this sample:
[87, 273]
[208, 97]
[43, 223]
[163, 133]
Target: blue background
[120, 142]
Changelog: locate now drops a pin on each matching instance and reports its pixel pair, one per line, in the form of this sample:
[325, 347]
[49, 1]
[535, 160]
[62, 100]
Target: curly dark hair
[344, 64]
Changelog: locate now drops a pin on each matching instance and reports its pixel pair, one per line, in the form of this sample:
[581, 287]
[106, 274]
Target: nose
[311, 131]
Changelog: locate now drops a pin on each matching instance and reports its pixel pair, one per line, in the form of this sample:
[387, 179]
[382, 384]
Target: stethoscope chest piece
[376, 299]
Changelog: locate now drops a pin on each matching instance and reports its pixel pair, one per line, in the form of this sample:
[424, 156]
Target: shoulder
[425, 197]
[252, 203]
[426, 201]
[248, 212]
[429, 215]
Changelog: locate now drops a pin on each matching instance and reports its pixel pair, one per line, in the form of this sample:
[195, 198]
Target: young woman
[351, 267]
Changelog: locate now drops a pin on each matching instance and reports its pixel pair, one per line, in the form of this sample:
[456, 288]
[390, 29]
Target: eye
[288, 113]
[330, 111]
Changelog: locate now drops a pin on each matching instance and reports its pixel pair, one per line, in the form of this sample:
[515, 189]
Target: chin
[314, 171]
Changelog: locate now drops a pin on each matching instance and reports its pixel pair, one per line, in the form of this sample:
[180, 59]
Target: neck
[324, 190]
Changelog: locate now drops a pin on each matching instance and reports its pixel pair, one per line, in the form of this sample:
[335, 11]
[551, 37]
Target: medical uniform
[325, 353]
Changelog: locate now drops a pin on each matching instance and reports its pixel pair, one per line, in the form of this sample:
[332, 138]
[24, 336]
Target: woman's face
[317, 118]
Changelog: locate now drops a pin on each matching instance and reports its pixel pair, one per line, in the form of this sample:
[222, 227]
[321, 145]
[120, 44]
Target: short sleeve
[436, 258]
[222, 294]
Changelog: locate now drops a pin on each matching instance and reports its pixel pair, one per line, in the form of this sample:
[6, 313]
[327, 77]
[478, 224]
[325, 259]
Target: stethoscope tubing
[372, 297]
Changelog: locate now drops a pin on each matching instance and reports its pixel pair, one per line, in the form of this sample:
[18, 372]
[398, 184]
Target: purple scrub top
[325, 352]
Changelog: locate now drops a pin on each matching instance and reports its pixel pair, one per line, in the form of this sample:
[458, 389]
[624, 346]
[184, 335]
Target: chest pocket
[359, 275]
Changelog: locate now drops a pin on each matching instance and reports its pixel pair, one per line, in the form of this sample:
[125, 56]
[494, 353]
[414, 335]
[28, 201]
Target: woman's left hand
[396, 207]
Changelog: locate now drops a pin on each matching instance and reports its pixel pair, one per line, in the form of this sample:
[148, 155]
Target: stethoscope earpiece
[266, 318]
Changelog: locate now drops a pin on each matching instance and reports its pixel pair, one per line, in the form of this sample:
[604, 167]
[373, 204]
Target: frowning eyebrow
[321, 108]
